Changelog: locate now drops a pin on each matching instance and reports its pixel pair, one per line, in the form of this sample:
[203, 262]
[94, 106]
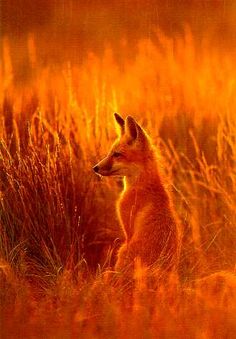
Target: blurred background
[68, 30]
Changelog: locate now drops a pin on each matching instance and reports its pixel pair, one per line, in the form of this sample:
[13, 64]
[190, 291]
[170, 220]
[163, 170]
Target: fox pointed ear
[134, 131]
[120, 121]
[130, 128]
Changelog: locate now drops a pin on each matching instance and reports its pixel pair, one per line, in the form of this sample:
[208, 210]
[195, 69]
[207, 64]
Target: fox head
[129, 152]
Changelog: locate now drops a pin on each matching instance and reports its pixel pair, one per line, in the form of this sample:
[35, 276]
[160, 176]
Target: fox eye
[116, 154]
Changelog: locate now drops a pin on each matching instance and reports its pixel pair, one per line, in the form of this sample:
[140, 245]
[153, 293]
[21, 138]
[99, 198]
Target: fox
[144, 208]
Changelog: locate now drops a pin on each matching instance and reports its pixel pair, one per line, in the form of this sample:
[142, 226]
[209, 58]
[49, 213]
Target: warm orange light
[59, 233]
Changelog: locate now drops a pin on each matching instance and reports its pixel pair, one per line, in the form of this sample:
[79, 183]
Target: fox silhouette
[144, 208]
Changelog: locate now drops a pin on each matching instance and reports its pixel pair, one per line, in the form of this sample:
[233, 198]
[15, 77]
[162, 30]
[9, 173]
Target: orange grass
[58, 228]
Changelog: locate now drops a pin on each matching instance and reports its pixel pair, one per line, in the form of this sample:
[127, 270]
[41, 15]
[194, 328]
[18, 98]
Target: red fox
[144, 208]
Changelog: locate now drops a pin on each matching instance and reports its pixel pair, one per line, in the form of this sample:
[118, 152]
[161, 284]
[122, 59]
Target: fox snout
[104, 167]
[96, 168]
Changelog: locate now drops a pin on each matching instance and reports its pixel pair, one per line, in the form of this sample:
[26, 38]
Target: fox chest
[128, 208]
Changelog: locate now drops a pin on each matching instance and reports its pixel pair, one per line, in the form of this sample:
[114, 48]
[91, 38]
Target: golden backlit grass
[58, 226]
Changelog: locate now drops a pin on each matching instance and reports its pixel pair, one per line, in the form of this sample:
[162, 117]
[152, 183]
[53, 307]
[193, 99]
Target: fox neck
[144, 178]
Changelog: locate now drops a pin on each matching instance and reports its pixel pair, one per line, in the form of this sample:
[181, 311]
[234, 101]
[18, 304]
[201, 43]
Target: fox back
[144, 208]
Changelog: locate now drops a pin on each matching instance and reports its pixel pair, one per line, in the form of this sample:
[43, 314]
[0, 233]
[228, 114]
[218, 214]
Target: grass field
[58, 226]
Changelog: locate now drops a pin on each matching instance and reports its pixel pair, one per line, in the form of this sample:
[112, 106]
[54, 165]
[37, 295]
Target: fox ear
[134, 131]
[120, 121]
[130, 128]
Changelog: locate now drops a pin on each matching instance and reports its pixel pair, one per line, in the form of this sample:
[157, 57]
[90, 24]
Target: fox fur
[144, 207]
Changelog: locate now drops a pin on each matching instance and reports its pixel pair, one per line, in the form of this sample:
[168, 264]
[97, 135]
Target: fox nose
[96, 169]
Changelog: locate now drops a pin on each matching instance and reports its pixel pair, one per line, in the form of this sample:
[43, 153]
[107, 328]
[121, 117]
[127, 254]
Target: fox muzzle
[96, 168]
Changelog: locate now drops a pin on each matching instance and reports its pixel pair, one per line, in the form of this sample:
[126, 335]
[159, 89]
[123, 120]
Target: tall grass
[59, 231]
